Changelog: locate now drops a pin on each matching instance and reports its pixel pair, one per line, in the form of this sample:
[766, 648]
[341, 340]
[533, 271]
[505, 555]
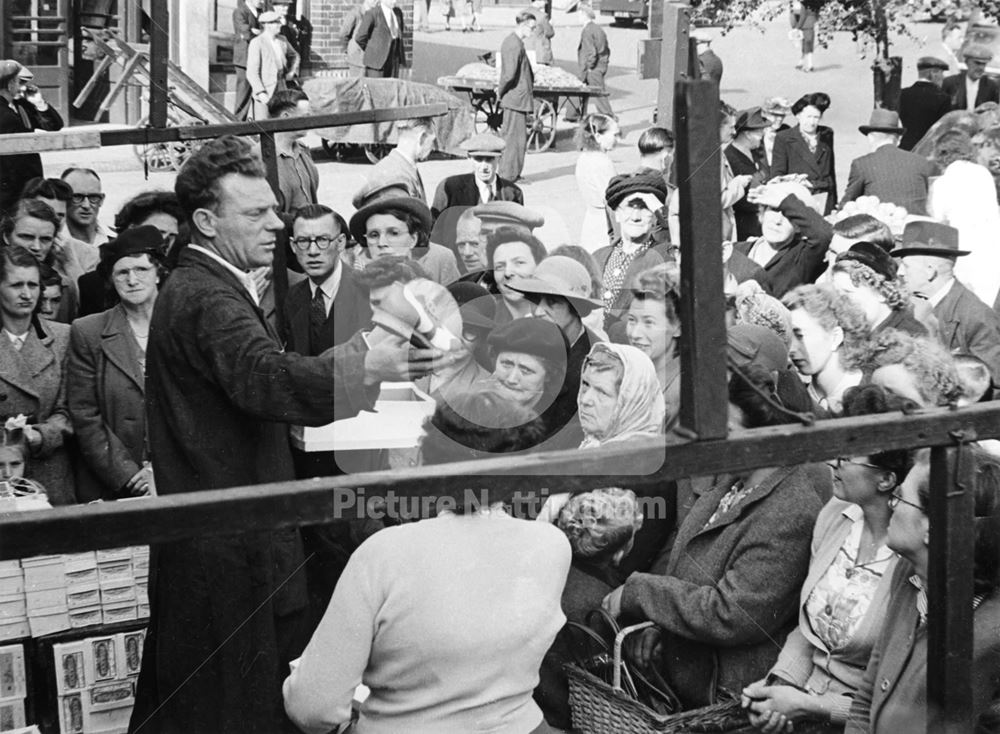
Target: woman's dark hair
[654, 140]
[819, 100]
[658, 284]
[505, 235]
[865, 227]
[414, 225]
[48, 276]
[34, 208]
[872, 400]
[15, 256]
[47, 188]
[758, 410]
[390, 269]
[141, 207]
[953, 145]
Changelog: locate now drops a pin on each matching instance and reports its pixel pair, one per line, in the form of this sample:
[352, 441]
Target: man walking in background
[516, 92]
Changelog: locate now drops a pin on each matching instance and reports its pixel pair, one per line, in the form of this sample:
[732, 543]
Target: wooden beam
[15, 144]
[949, 596]
[704, 398]
[159, 53]
[639, 465]
[673, 59]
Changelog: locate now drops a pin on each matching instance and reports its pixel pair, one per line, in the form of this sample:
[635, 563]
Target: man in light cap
[923, 103]
[22, 110]
[271, 62]
[482, 185]
[708, 60]
[970, 88]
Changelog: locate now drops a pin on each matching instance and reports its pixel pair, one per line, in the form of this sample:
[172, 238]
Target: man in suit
[516, 93]
[271, 62]
[22, 110]
[893, 175]
[593, 55]
[483, 184]
[246, 25]
[923, 103]
[355, 54]
[971, 88]
[966, 325]
[380, 36]
[220, 392]
[414, 142]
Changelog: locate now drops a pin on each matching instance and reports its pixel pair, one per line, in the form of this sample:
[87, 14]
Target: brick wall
[327, 55]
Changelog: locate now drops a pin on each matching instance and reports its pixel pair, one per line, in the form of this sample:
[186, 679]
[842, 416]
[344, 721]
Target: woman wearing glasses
[845, 595]
[106, 371]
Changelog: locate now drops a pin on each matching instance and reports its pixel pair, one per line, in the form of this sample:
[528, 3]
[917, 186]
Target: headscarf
[640, 408]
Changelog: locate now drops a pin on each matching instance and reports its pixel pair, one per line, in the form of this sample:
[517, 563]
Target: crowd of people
[154, 359]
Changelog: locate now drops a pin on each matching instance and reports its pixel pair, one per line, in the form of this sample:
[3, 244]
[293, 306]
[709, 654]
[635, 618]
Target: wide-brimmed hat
[929, 238]
[777, 106]
[873, 256]
[537, 337]
[389, 198]
[751, 119]
[883, 121]
[559, 276]
[931, 62]
[144, 240]
[624, 186]
[495, 214]
[484, 144]
[476, 304]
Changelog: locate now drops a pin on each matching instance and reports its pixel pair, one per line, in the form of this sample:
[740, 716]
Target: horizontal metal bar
[642, 465]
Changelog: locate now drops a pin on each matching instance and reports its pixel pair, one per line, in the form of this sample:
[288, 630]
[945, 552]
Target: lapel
[468, 191]
[116, 347]
[806, 155]
[298, 315]
[949, 314]
[772, 480]
[828, 552]
[20, 368]
[217, 271]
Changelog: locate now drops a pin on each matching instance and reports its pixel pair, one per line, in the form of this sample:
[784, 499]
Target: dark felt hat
[750, 344]
[144, 240]
[476, 304]
[537, 337]
[873, 256]
[931, 62]
[929, 238]
[751, 119]
[624, 186]
[883, 121]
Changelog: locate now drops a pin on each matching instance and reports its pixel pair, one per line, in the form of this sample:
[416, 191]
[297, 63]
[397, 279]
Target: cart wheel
[163, 156]
[542, 127]
[487, 115]
[375, 152]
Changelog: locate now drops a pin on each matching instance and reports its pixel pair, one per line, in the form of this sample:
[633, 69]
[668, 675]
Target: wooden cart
[541, 124]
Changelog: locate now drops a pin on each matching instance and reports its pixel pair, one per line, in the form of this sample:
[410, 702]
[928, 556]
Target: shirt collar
[330, 286]
[16, 339]
[921, 598]
[939, 296]
[242, 277]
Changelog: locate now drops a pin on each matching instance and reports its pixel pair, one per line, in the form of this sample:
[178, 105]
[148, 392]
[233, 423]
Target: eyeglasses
[140, 271]
[895, 499]
[94, 199]
[845, 460]
[322, 242]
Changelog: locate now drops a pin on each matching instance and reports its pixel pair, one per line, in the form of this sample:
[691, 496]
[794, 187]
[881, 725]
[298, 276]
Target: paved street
[756, 65]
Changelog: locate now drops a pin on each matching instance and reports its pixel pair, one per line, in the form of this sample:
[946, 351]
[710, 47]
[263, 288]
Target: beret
[873, 256]
[497, 213]
[621, 187]
[144, 240]
[750, 344]
[537, 337]
[484, 144]
[931, 62]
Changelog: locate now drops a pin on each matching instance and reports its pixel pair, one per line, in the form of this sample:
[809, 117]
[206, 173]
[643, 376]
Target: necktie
[18, 342]
[317, 319]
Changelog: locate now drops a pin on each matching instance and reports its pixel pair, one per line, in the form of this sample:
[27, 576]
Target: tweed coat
[920, 106]
[461, 190]
[968, 326]
[730, 588]
[219, 395]
[954, 87]
[32, 383]
[105, 389]
[893, 175]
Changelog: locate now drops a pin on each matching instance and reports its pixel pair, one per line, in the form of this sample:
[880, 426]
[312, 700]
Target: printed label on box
[73, 714]
[70, 667]
[12, 672]
[11, 714]
[103, 652]
[112, 695]
[132, 651]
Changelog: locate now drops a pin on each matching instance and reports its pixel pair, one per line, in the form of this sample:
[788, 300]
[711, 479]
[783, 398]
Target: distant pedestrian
[540, 40]
[708, 60]
[971, 88]
[348, 29]
[804, 16]
[380, 36]
[924, 102]
[271, 63]
[594, 54]
[516, 94]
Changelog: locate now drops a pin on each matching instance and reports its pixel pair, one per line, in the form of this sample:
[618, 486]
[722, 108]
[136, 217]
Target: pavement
[758, 63]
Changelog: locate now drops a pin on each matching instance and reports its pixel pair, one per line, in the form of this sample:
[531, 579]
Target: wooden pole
[704, 404]
[949, 620]
[674, 61]
[159, 52]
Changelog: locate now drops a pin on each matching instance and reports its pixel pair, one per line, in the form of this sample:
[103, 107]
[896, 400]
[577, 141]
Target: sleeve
[57, 427]
[855, 184]
[748, 603]
[253, 67]
[810, 224]
[103, 451]
[859, 715]
[440, 202]
[589, 51]
[779, 157]
[292, 60]
[241, 24]
[347, 28]
[364, 29]
[267, 383]
[319, 691]
[48, 119]
[508, 66]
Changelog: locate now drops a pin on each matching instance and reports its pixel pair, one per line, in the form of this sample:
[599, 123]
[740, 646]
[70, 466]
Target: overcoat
[893, 175]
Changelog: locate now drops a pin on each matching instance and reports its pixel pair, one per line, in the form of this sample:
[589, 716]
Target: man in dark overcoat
[227, 611]
[516, 92]
[924, 102]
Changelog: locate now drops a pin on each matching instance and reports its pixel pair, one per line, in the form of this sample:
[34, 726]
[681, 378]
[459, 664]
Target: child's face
[11, 463]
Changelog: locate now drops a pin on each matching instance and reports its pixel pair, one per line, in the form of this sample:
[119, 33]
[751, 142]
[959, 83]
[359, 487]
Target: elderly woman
[844, 598]
[445, 620]
[597, 135]
[892, 697]
[867, 275]
[393, 223]
[513, 252]
[106, 371]
[805, 150]
[965, 197]
[32, 352]
[34, 225]
[730, 584]
[653, 325]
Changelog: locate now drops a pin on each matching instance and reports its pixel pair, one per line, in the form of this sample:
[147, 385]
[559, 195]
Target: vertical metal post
[704, 402]
[673, 58]
[949, 596]
[279, 278]
[159, 52]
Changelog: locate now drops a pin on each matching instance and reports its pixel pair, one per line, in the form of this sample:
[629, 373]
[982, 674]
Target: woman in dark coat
[808, 149]
[106, 372]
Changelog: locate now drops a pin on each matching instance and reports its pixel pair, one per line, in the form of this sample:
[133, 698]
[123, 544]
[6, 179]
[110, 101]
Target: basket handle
[619, 639]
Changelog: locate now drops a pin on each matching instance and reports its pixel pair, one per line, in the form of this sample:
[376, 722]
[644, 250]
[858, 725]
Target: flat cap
[977, 52]
[495, 214]
[931, 62]
[9, 69]
[624, 186]
[484, 144]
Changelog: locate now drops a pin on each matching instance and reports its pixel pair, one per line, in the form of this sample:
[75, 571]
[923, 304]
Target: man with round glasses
[81, 215]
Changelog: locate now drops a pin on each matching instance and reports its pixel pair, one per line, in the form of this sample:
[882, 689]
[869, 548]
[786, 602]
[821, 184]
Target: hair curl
[601, 522]
[872, 400]
[930, 365]
[141, 207]
[390, 269]
[894, 292]
[506, 235]
[197, 184]
[832, 309]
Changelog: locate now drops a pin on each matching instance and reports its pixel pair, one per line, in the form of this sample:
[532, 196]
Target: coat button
[885, 684]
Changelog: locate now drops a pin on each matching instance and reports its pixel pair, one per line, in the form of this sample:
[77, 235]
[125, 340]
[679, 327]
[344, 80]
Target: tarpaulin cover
[330, 95]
